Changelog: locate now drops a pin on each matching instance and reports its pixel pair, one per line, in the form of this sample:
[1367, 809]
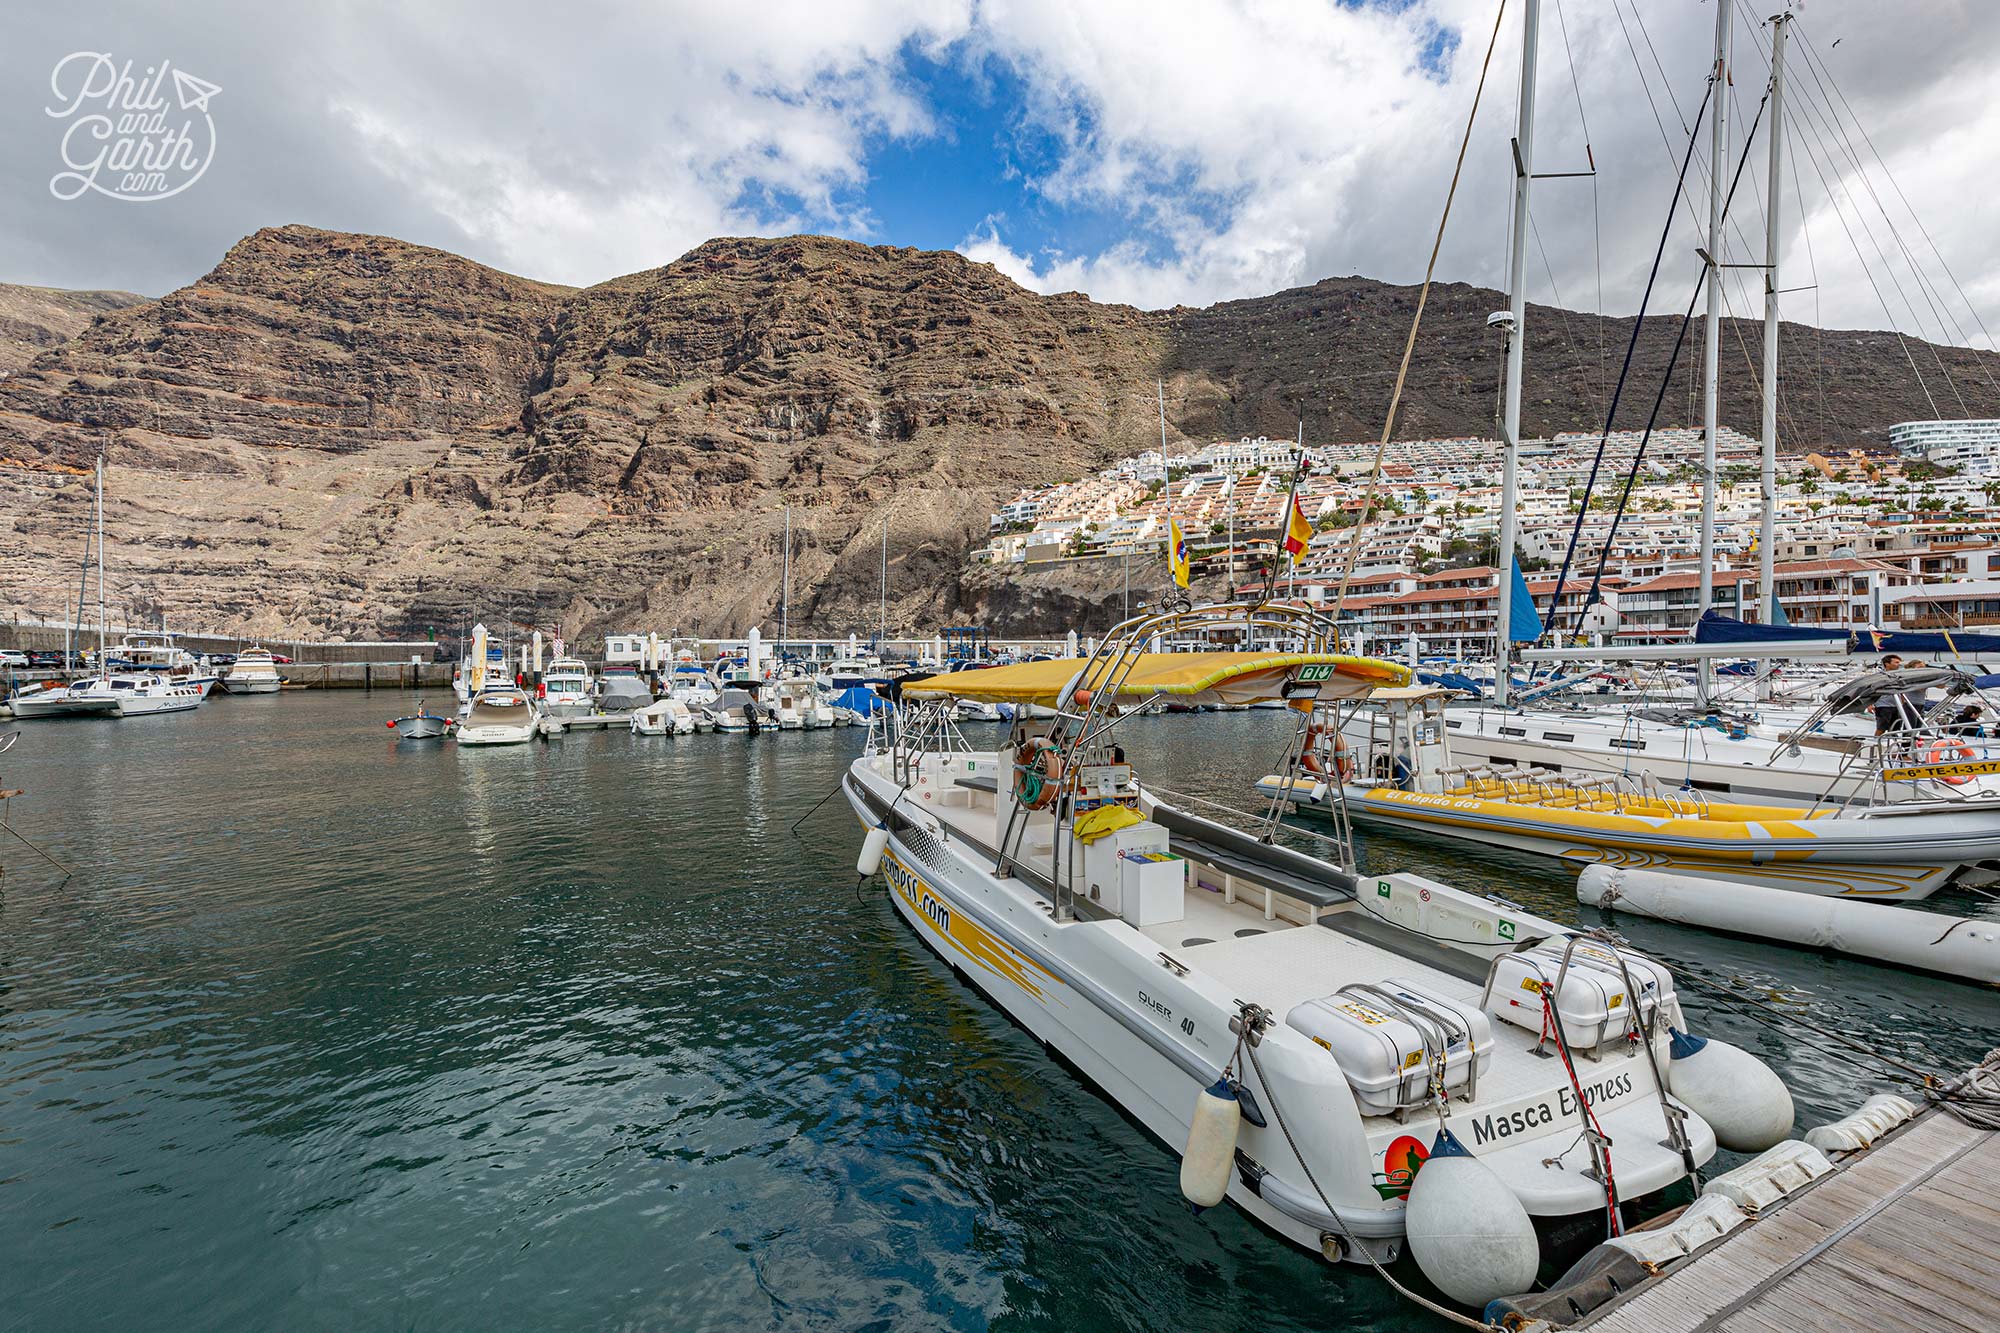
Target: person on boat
[1889, 703]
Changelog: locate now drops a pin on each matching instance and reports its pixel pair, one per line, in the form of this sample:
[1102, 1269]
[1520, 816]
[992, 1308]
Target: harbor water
[332, 1031]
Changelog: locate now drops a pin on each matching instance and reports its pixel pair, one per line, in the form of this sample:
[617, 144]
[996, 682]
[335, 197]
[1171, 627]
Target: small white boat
[621, 690]
[255, 671]
[567, 689]
[500, 715]
[423, 725]
[737, 710]
[665, 717]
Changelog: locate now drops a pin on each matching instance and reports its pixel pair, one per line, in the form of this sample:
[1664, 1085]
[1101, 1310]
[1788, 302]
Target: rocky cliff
[339, 434]
[34, 319]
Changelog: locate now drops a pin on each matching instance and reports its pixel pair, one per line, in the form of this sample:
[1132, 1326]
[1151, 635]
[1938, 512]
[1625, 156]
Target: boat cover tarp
[1714, 628]
[1452, 680]
[1859, 694]
[1195, 677]
[857, 699]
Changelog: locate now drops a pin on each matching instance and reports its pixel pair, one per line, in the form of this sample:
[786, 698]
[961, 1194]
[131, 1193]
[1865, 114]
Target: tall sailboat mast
[1718, 164]
[1767, 581]
[1517, 314]
[101, 667]
[785, 594]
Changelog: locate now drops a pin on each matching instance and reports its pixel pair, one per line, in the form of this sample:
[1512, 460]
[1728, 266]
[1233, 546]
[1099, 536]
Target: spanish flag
[1298, 532]
[1177, 552]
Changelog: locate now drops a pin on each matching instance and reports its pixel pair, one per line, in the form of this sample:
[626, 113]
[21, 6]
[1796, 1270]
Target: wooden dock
[1905, 1236]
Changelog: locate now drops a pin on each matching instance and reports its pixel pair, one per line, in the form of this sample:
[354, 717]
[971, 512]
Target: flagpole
[1284, 523]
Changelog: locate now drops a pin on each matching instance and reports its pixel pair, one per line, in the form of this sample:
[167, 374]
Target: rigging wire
[1618, 389]
[1948, 327]
[1596, 217]
[1666, 378]
[1840, 215]
[1813, 55]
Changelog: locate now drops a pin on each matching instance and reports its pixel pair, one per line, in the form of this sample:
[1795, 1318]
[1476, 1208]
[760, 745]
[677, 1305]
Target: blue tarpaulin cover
[863, 701]
[1715, 628]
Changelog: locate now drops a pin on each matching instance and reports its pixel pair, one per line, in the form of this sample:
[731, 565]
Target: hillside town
[1897, 539]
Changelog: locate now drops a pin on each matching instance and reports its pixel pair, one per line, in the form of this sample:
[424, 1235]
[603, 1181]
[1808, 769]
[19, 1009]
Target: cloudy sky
[1152, 152]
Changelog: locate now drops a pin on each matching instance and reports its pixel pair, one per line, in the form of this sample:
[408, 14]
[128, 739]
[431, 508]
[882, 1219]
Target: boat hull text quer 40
[1141, 941]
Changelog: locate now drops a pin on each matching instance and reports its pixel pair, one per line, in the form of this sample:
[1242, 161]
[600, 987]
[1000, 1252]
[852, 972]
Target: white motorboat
[254, 671]
[664, 717]
[690, 683]
[567, 689]
[423, 725]
[1822, 756]
[620, 690]
[141, 694]
[53, 700]
[1406, 776]
[798, 705]
[500, 715]
[1289, 1025]
[737, 710]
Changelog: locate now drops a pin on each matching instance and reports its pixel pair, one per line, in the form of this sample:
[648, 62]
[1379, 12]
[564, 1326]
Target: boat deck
[1906, 1236]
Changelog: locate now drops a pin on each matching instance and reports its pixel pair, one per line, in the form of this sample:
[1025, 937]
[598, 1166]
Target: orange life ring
[1309, 757]
[1037, 773]
[1945, 752]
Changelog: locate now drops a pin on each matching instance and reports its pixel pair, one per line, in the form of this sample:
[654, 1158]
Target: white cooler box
[1592, 1001]
[1378, 1036]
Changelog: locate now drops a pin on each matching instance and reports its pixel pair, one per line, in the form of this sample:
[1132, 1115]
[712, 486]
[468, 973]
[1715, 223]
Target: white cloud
[1260, 145]
[1170, 153]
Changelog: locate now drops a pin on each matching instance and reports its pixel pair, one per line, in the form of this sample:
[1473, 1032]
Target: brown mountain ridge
[352, 435]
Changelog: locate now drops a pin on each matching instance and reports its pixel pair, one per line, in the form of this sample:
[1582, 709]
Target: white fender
[872, 847]
[1469, 1234]
[1745, 1103]
[1210, 1156]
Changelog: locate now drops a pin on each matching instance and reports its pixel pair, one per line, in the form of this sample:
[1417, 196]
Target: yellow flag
[1177, 552]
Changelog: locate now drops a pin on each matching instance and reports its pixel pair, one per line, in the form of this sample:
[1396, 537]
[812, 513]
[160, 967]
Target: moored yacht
[1823, 755]
[500, 715]
[1405, 775]
[141, 694]
[1296, 1029]
[254, 671]
[567, 689]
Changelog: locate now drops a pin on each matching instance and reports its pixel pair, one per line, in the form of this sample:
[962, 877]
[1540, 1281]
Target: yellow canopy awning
[1234, 678]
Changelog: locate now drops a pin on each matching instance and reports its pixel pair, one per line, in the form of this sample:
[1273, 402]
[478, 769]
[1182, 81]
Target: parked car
[10, 658]
[51, 661]
[281, 659]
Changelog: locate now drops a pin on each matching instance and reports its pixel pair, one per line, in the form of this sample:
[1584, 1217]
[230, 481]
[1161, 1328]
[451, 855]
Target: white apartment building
[1949, 443]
